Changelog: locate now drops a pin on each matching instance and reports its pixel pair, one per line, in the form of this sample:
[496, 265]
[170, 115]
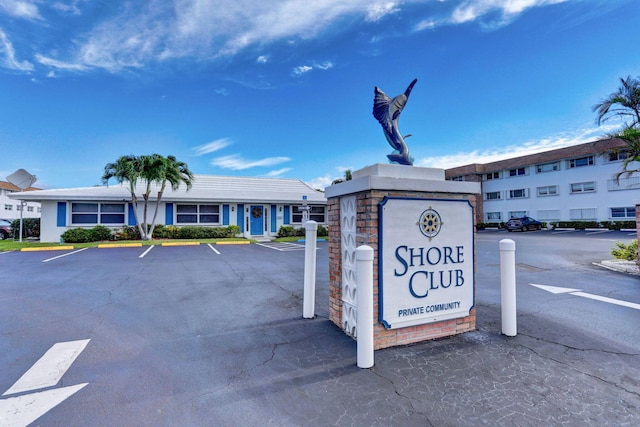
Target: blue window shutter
[225, 214]
[132, 217]
[240, 218]
[273, 218]
[168, 214]
[287, 215]
[62, 214]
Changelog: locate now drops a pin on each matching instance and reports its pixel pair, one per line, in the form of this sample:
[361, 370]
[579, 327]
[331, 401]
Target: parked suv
[523, 224]
[5, 229]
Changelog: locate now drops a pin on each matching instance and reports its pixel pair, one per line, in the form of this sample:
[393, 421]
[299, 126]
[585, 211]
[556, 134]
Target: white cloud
[321, 182]
[60, 65]
[136, 34]
[235, 162]
[212, 146]
[301, 69]
[580, 136]
[9, 60]
[378, 11]
[20, 9]
[278, 172]
[472, 10]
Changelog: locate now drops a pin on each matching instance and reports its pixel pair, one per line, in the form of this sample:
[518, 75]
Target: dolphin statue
[387, 112]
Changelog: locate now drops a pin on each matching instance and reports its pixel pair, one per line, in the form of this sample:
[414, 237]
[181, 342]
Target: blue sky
[284, 88]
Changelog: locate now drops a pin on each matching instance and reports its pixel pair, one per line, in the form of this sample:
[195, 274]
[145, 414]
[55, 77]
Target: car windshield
[4, 222]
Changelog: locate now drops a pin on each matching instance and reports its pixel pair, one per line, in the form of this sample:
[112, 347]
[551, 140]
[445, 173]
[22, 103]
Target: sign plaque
[426, 261]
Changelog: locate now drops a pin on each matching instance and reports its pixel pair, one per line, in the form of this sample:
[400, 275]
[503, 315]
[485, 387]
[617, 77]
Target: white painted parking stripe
[146, 252]
[21, 411]
[579, 293]
[50, 368]
[282, 246]
[213, 249]
[63, 255]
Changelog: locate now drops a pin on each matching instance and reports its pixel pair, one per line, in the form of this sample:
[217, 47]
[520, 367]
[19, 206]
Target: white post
[309, 297]
[508, 286]
[364, 297]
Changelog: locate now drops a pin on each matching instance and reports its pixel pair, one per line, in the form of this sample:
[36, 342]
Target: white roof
[205, 188]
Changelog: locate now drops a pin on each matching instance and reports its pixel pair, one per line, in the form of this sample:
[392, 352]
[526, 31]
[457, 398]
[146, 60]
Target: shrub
[322, 231]
[77, 235]
[627, 252]
[100, 232]
[286, 231]
[30, 228]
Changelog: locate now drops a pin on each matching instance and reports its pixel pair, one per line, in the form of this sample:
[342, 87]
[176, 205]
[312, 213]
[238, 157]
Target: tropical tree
[347, 177]
[623, 103]
[152, 170]
[126, 169]
[174, 172]
[632, 137]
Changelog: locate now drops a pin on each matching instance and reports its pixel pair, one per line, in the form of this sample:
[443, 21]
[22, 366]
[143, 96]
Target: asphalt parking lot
[214, 335]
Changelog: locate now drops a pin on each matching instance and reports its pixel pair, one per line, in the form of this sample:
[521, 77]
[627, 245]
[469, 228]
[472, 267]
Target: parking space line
[63, 255]
[282, 246]
[213, 249]
[146, 252]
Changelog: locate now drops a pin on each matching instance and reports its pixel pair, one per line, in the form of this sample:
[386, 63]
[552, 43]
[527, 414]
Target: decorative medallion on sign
[430, 223]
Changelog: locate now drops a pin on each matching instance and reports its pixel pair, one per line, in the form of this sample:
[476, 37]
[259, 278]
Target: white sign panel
[425, 261]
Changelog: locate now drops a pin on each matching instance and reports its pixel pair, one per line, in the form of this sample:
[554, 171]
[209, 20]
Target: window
[97, 213]
[583, 187]
[626, 212]
[520, 193]
[517, 171]
[29, 208]
[583, 214]
[580, 161]
[8, 207]
[317, 214]
[548, 190]
[198, 214]
[494, 216]
[617, 155]
[18, 208]
[494, 195]
[491, 175]
[548, 167]
[548, 215]
[517, 214]
[630, 183]
[457, 178]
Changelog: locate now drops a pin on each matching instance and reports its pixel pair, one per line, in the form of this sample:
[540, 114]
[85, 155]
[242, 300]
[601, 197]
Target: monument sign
[426, 261]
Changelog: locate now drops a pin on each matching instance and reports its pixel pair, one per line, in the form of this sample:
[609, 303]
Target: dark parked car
[523, 224]
[5, 229]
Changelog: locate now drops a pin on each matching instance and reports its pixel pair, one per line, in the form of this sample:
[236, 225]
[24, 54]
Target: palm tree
[174, 172]
[126, 169]
[152, 169]
[624, 103]
[632, 137]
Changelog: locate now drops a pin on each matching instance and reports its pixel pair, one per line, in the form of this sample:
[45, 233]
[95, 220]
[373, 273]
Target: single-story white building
[259, 206]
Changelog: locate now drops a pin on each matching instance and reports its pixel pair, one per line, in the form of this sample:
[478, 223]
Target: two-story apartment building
[574, 183]
[10, 208]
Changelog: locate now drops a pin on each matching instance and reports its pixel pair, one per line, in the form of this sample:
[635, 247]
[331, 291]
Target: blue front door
[256, 214]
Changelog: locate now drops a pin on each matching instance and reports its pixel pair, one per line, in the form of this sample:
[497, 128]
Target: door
[256, 213]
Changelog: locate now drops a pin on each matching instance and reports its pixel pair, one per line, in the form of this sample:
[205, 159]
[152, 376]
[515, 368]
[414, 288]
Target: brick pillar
[367, 203]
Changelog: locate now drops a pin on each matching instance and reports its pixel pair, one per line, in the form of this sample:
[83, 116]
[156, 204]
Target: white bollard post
[508, 287]
[364, 290]
[309, 296]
